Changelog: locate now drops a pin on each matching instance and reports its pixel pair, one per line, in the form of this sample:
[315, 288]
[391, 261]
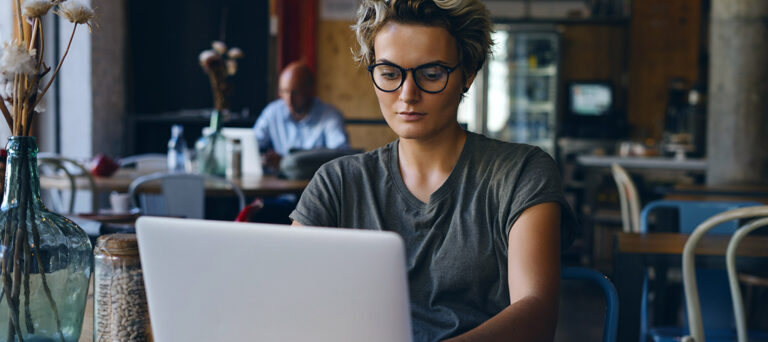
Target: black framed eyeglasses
[431, 77]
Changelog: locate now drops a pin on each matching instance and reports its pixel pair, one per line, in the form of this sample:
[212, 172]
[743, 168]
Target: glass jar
[120, 310]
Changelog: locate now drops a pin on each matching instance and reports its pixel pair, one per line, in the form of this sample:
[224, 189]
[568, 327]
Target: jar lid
[118, 244]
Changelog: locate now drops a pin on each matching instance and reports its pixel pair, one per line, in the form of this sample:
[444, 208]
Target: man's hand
[271, 160]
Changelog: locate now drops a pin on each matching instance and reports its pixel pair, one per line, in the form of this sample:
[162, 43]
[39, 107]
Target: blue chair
[716, 306]
[611, 297]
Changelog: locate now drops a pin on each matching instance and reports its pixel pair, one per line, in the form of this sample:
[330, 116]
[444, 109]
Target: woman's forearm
[529, 319]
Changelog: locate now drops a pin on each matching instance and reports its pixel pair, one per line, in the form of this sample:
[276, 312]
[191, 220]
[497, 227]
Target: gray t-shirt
[456, 245]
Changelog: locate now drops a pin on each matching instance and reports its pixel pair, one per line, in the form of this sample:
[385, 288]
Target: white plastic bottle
[178, 154]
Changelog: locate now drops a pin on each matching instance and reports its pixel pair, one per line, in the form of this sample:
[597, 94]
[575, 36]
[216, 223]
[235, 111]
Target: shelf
[536, 72]
[536, 107]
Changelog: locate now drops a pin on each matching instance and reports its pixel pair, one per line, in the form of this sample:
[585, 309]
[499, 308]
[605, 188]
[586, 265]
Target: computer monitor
[590, 111]
[590, 98]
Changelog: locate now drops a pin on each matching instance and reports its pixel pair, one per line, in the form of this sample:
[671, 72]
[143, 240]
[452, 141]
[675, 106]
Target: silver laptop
[225, 281]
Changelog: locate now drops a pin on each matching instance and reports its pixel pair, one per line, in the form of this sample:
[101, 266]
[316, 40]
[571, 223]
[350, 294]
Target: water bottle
[178, 154]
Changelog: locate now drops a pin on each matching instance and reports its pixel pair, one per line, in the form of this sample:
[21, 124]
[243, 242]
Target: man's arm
[533, 260]
[335, 132]
[261, 130]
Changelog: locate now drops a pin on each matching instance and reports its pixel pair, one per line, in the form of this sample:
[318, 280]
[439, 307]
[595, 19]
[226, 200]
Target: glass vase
[45, 264]
[211, 149]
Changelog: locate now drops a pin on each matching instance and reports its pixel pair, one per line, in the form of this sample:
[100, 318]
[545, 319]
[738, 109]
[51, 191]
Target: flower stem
[20, 21]
[58, 67]
[17, 103]
[27, 265]
[33, 38]
[42, 46]
[6, 260]
[36, 239]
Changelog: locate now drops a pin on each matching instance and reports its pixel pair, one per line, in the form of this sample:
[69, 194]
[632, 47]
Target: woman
[482, 220]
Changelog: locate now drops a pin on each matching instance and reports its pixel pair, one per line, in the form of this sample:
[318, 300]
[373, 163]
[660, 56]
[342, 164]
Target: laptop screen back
[223, 281]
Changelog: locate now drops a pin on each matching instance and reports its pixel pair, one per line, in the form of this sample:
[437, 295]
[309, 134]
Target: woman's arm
[533, 260]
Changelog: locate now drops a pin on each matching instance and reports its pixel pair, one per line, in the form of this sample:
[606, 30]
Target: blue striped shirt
[323, 127]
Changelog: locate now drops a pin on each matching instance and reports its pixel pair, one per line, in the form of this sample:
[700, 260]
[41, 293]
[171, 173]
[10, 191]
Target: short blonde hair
[467, 21]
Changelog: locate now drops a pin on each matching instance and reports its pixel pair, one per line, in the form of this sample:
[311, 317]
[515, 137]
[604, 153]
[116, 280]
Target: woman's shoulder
[360, 163]
[486, 149]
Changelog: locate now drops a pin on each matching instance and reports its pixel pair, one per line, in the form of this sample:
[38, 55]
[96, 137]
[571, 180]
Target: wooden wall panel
[339, 80]
[595, 53]
[348, 87]
[369, 137]
[665, 42]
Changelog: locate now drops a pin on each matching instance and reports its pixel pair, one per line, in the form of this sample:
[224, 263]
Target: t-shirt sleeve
[319, 203]
[539, 182]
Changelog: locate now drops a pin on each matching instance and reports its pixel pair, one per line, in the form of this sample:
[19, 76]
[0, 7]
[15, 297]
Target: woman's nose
[409, 91]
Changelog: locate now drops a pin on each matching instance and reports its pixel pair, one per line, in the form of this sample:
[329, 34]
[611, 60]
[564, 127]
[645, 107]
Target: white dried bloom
[6, 90]
[207, 55]
[41, 106]
[219, 47]
[231, 67]
[235, 53]
[16, 59]
[36, 8]
[76, 12]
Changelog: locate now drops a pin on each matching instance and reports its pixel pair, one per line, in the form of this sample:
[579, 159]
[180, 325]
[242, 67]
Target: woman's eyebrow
[437, 61]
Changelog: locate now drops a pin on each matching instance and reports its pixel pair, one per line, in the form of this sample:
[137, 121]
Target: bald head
[295, 88]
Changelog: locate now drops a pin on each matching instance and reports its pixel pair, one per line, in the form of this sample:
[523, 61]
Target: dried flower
[16, 59]
[219, 47]
[207, 55]
[6, 90]
[76, 12]
[231, 67]
[41, 106]
[36, 8]
[235, 53]
[208, 59]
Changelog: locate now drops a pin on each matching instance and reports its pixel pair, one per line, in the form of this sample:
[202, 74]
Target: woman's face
[409, 111]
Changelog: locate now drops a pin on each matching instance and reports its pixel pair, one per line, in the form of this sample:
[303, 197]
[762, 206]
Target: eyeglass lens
[430, 78]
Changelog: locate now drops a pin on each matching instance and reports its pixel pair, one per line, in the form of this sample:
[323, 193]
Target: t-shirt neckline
[444, 190]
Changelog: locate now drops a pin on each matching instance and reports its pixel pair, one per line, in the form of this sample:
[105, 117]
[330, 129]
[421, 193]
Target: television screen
[591, 99]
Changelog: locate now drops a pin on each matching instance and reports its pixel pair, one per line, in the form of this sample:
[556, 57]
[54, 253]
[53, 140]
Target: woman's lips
[411, 116]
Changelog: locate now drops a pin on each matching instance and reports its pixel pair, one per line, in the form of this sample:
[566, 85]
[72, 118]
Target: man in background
[298, 120]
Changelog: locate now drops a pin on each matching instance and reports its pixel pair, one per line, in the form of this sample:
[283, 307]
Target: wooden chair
[183, 194]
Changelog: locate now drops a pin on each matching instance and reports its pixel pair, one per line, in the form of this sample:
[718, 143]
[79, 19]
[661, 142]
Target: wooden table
[635, 252]
[742, 193]
[658, 163]
[267, 185]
